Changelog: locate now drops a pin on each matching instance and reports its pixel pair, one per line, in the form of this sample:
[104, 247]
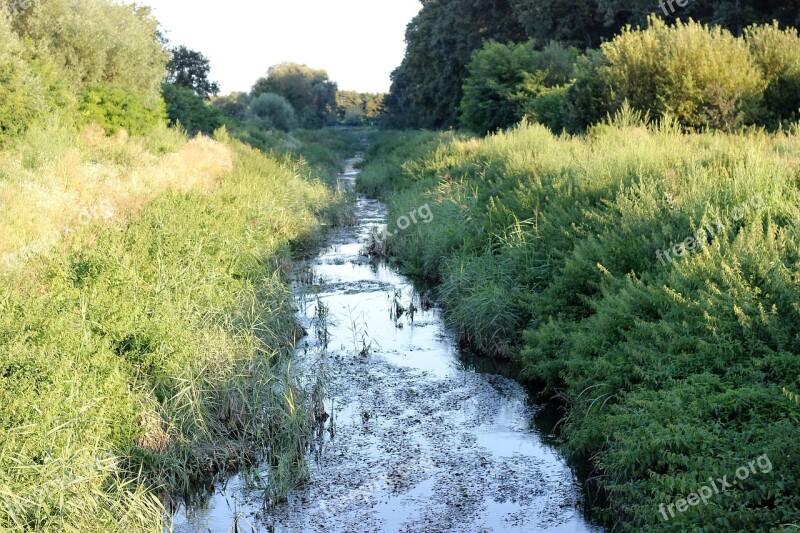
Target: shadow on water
[412, 434]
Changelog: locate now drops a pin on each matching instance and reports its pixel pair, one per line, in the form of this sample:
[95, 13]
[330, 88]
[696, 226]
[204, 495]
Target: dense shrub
[589, 97]
[99, 42]
[234, 105]
[101, 52]
[776, 52]
[273, 111]
[704, 77]
[20, 92]
[114, 109]
[505, 78]
[550, 108]
[184, 107]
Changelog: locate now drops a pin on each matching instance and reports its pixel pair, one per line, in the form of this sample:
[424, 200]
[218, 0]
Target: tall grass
[544, 250]
[142, 351]
[54, 181]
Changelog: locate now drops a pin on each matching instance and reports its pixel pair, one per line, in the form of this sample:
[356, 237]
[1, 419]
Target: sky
[359, 42]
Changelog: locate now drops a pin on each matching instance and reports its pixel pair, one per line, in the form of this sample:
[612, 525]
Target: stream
[418, 439]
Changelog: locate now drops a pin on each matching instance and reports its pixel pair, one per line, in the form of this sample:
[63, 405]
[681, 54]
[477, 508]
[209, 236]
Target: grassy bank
[582, 258]
[144, 321]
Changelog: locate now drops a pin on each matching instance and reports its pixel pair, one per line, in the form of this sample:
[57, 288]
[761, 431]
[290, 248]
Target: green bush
[777, 54]
[82, 60]
[115, 109]
[184, 107]
[21, 95]
[273, 111]
[589, 97]
[505, 78]
[550, 108]
[702, 76]
[99, 43]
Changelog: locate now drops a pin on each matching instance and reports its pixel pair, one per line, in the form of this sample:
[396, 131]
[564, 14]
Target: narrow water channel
[417, 440]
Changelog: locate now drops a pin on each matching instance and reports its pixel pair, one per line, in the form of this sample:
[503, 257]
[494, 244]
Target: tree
[505, 79]
[20, 91]
[273, 111]
[99, 42]
[427, 86]
[189, 68]
[309, 91]
[573, 22]
[234, 104]
[355, 108]
[187, 108]
[97, 50]
[440, 42]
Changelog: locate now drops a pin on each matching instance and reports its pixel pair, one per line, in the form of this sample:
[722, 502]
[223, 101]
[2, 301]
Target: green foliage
[551, 108]
[141, 355]
[427, 87]
[273, 111]
[544, 251]
[115, 109]
[190, 69]
[588, 23]
[311, 93]
[357, 109]
[777, 54]
[575, 22]
[701, 76]
[501, 81]
[589, 97]
[234, 105]
[186, 108]
[99, 43]
[20, 90]
[505, 79]
[71, 59]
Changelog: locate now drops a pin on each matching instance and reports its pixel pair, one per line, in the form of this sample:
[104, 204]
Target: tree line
[289, 96]
[486, 64]
[98, 61]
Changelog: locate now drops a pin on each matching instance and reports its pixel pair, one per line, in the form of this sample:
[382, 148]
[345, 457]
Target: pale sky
[359, 42]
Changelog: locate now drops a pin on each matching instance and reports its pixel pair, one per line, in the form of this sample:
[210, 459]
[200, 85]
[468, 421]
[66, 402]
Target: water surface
[416, 440]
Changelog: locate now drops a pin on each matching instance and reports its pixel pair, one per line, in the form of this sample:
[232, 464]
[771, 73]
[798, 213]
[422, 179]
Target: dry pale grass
[96, 179]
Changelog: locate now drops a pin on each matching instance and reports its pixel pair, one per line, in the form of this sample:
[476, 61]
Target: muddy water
[416, 441]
